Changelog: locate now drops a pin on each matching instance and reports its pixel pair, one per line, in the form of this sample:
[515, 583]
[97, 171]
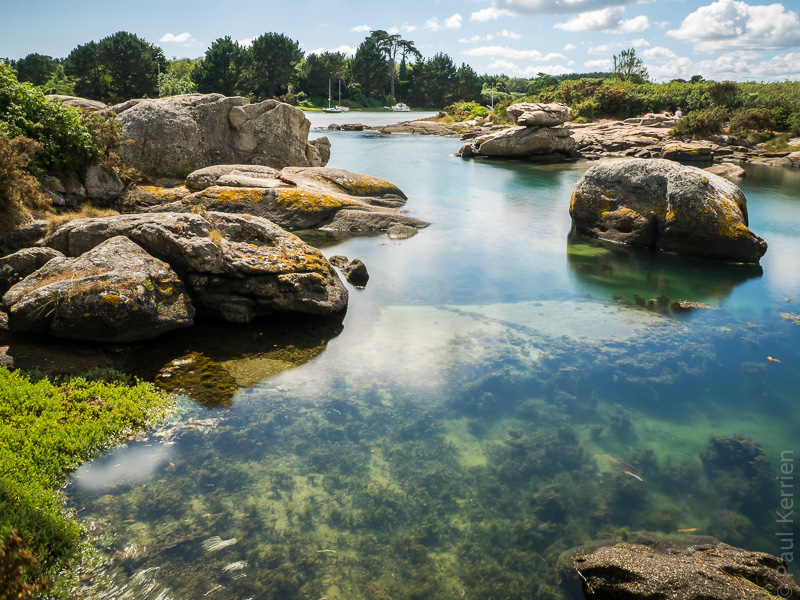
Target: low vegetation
[47, 428]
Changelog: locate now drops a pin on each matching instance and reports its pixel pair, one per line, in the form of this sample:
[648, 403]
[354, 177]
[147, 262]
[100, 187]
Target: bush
[67, 144]
[585, 111]
[19, 191]
[701, 123]
[372, 103]
[752, 119]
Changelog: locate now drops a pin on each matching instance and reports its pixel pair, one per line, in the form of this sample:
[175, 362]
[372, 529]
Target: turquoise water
[498, 393]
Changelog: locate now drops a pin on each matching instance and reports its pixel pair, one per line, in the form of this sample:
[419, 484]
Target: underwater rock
[688, 305]
[115, 292]
[235, 267]
[667, 206]
[401, 232]
[705, 571]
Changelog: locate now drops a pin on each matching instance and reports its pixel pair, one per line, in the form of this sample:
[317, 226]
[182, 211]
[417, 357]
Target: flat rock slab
[713, 571]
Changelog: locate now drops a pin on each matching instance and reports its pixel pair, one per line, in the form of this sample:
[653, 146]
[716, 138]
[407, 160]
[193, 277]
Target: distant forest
[386, 68]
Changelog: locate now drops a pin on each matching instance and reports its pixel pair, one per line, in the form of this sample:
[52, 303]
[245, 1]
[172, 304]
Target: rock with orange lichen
[116, 292]
[235, 267]
[667, 206]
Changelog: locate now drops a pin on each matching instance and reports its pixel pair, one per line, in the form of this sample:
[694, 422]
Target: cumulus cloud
[730, 24]
[557, 7]
[361, 28]
[512, 53]
[641, 42]
[476, 38]
[181, 38]
[344, 49]
[453, 22]
[611, 19]
[393, 30]
[510, 68]
[602, 49]
[659, 53]
[512, 35]
[246, 42]
[603, 64]
[490, 14]
[569, 47]
[738, 66]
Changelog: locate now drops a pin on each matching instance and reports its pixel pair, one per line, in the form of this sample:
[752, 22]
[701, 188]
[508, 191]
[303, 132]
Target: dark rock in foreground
[115, 292]
[667, 206]
[705, 571]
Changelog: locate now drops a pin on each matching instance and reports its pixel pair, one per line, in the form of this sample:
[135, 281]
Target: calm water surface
[499, 393]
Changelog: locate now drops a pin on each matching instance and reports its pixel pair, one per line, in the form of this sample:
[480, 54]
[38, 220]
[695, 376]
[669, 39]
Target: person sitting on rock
[678, 113]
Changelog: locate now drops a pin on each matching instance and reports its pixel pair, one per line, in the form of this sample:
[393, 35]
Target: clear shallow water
[495, 396]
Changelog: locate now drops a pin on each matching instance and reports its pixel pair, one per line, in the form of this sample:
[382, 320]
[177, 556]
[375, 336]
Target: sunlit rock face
[667, 206]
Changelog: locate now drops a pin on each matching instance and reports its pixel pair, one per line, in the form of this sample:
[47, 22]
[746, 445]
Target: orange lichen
[306, 201]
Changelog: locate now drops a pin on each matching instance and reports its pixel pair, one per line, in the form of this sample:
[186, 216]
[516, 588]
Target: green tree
[629, 67]
[393, 45]
[132, 64]
[177, 78]
[439, 76]
[91, 79]
[223, 68]
[468, 84]
[36, 68]
[368, 69]
[318, 69]
[274, 60]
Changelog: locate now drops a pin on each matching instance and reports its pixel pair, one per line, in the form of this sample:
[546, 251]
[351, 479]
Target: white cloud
[609, 19]
[317, 51]
[393, 30]
[659, 53]
[509, 34]
[603, 64]
[361, 28]
[662, 24]
[509, 68]
[729, 25]
[344, 49]
[453, 22]
[181, 38]
[602, 49]
[569, 47]
[641, 42]
[246, 42]
[560, 7]
[409, 28]
[476, 38]
[490, 14]
[738, 66]
[511, 53]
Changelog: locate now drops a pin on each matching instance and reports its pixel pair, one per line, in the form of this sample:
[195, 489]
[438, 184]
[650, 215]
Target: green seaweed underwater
[504, 448]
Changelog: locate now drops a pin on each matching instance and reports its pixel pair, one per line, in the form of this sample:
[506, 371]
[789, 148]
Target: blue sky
[723, 39]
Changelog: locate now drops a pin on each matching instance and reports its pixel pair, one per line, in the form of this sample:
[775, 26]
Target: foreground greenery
[48, 428]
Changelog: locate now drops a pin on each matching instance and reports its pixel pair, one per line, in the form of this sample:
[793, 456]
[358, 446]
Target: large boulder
[177, 135]
[115, 292]
[103, 184]
[17, 266]
[82, 103]
[534, 114]
[521, 142]
[235, 267]
[667, 206]
[705, 571]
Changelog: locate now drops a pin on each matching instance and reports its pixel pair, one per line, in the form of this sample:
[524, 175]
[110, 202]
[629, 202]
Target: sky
[735, 40]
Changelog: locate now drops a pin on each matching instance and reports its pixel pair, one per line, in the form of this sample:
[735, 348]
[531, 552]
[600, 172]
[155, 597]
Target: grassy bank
[46, 430]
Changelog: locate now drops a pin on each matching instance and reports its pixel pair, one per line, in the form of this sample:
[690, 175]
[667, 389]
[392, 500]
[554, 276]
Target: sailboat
[332, 109]
[338, 108]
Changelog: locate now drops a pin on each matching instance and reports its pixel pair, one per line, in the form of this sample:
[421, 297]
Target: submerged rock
[667, 206]
[356, 273]
[115, 292]
[177, 135]
[235, 267]
[704, 571]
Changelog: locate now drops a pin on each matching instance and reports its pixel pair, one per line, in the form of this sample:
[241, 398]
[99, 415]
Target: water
[371, 118]
[495, 396]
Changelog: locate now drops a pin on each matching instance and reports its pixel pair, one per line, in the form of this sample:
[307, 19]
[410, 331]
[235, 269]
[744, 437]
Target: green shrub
[67, 144]
[585, 111]
[46, 431]
[700, 123]
[372, 103]
[752, 119]
[479, 111]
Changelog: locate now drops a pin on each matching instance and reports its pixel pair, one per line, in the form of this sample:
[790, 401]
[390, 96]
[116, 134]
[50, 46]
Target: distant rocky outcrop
[687, 570]
[177, 135]
[534, 136]
[292, 198]
[667, 206]
[160, 269]
[82, 103]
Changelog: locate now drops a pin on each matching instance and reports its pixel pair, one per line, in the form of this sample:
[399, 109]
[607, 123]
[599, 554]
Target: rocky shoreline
[641, 137]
